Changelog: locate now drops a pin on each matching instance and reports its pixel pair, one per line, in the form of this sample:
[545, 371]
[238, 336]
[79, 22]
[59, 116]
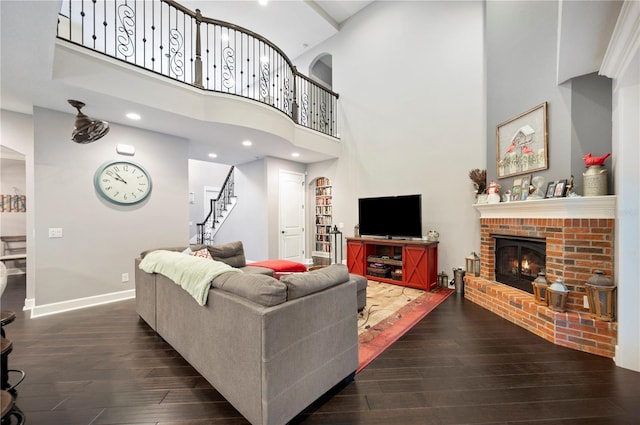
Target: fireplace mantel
[571, 207]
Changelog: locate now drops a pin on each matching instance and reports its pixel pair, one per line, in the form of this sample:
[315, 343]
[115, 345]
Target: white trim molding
[625, 41]
[571, 207]
[64, 306]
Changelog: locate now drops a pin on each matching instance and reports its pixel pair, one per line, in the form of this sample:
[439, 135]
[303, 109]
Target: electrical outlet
[125, 277]
[55, 232]
[586, 302]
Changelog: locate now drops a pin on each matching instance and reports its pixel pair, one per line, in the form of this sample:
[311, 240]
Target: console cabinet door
[420, 263]
[355, 257]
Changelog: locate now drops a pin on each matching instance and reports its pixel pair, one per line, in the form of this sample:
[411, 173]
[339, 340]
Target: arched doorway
[321, 70]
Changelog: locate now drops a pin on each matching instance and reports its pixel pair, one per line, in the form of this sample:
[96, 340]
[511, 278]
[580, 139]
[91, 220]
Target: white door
[291, 207]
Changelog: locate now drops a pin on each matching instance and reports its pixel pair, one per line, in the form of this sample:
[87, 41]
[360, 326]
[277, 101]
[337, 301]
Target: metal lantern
[557, 294]
[601, 295]
[443, 280]
[473, 264]
[337, 245]
[540, 286]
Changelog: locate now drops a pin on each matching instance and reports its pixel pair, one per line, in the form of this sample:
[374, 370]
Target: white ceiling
[293, 25]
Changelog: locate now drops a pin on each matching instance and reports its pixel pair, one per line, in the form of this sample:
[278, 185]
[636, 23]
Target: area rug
[390, 312]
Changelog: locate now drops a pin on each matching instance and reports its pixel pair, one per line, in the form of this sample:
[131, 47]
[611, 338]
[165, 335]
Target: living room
[417, 113]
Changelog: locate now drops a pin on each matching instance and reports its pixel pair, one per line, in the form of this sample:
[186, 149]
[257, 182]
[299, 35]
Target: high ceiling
[293, 25]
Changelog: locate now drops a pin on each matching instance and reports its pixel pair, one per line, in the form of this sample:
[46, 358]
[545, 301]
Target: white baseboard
[63, 306]
[29, 303]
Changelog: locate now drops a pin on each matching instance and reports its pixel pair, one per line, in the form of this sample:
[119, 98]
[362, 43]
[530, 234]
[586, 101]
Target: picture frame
[521, 143]
[551, 189]
[516, 189]
[559, 190]
[526, 182]
[515, 193]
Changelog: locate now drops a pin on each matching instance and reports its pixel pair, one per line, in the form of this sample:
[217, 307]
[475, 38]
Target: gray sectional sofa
[270, 347]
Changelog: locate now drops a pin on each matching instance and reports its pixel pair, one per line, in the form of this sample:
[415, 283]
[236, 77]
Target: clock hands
[119, 178]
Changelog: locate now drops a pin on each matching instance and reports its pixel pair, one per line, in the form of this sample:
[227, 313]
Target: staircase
[220, 209]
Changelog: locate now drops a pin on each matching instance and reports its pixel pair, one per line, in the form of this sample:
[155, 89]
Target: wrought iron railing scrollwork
[165, 37]
[217, 207]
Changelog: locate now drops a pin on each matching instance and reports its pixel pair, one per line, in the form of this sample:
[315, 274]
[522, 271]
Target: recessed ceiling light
[213, 155]
[247, 143]
[133, 116]
[263, 2]
[295, 154]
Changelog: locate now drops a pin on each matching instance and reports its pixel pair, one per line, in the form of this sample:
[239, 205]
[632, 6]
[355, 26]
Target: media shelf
[412, 263]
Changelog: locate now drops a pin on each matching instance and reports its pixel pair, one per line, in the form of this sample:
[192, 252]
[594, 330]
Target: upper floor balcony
[167, 38]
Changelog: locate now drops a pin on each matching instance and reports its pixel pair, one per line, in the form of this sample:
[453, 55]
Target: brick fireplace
[579, 239]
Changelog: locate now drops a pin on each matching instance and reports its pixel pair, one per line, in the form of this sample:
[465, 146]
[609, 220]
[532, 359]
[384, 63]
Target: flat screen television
[391, 216]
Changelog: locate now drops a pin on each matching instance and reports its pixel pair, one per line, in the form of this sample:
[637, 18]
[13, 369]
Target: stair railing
[216, 208]
[167, 38]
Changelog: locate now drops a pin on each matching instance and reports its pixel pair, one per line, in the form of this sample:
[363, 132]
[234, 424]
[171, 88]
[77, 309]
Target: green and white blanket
[193, 274]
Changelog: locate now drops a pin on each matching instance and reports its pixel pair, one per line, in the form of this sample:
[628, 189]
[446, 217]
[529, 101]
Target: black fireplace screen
[519, 260]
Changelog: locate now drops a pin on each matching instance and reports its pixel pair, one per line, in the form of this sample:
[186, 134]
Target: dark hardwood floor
[459, 365]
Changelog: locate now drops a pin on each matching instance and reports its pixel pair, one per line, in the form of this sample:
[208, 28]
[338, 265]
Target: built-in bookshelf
[323, 217]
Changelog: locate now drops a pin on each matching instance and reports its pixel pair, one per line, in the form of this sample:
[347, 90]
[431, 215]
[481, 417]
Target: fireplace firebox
[518, 260]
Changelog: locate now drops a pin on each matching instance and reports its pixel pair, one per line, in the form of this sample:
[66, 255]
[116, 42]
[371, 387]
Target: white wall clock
[122, 182]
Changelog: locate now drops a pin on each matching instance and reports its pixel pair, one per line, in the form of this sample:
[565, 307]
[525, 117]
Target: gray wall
[100, 239]
[411, 81]
[521, 43]
[592, 127]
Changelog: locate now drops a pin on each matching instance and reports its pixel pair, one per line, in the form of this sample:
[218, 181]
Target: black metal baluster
[153, 35]
[104, 25]
[160, 54]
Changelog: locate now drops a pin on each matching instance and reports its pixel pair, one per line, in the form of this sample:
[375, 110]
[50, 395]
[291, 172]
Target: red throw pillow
[281, 265]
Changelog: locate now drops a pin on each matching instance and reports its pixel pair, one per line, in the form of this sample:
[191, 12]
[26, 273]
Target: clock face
[122, 182]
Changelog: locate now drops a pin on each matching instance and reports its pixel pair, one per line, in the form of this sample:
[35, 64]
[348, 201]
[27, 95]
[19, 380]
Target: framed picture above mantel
[521, 143]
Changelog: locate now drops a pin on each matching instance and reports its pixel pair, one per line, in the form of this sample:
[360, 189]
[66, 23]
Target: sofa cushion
[231, 253]
[259, 288]
[301, 284]
[259, 270]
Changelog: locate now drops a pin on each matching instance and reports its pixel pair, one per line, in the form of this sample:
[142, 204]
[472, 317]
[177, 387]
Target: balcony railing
[165, 37]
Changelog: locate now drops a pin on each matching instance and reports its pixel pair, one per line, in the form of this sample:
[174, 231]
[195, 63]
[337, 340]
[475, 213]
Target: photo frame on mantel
[521, 143]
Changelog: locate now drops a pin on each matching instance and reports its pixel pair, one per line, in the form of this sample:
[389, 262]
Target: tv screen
[391, 216]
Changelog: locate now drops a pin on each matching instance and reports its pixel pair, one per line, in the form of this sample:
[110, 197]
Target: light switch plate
[55, 232]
